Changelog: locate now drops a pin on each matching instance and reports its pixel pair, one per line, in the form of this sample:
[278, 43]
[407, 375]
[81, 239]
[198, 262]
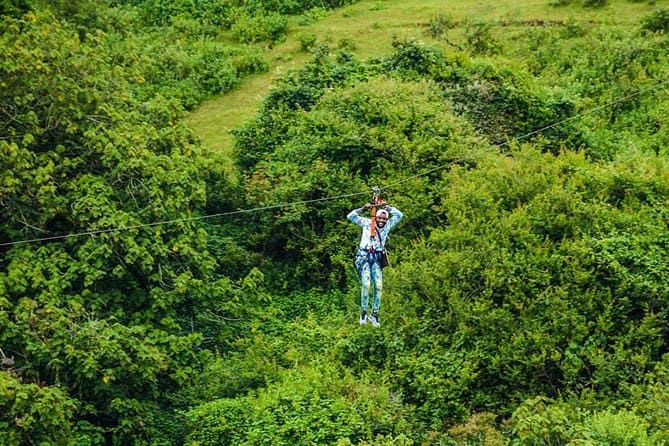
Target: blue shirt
[368, 243]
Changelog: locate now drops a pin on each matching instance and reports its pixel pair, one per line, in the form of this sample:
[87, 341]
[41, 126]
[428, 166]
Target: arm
[355, 217]
[395, 216]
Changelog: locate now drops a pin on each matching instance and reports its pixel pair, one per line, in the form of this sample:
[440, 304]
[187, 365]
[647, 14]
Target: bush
[480, 430]
[260, 28]
[320, 405]
[501, 101]
[98, 331]
[14, 8]
[560, 2]
[307, 41]
[530, 237]
[439, 26]
[542, 421]
[413, 59]
[280, 109]
[189, 71]
[311, 16]
[214, 13]
[657, 22]
[480, 40]
[31, 413]
[650, 400]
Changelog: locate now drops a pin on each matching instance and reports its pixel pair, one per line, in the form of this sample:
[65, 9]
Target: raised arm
[395, 216]
[355, 217]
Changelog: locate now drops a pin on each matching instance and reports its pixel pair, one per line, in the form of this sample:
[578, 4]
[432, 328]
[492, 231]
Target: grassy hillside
[367, 28]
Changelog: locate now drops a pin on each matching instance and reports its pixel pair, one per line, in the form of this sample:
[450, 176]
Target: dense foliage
[529, 267]
[98, 329]
[528, 301]
[101, 318]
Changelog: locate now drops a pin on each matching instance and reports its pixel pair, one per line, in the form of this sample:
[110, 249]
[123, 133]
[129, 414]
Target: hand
[367, 206]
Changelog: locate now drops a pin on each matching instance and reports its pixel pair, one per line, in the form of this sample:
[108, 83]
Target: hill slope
[367, 28]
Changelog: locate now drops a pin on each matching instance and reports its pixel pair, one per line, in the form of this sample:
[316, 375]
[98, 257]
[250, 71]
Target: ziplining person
[368, 259]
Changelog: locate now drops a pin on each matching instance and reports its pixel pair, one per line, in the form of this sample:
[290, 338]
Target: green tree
[102, 320]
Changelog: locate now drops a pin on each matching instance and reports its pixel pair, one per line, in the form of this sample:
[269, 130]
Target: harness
[371, 255]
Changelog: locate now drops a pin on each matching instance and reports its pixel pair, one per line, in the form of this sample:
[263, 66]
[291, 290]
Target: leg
[377, 280]
[366, 279]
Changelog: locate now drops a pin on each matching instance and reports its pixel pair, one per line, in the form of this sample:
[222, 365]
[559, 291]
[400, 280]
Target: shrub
[657, 22]
[650, 400]
[577, 262]
[213, 13]
[307, 41]
[480, 40]
[299, 90]
[99, 333]
[621, 427]
[222, 422]
[479, 430]
[439, 26]
[31, 413]
[542, 421]
[311, 16]
[502, 101]
[260, 28]
[247, 59]
[346, 44]
[560, 2]
[193, 70]
[320, 405]
[412, 58]
[14, 8]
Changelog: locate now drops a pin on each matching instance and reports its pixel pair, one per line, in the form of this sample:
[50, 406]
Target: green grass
[367, 29]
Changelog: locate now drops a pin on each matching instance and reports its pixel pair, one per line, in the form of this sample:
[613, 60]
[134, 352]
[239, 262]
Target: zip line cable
[587, 112]
[337, 197]
[179, 220]
[542, 129]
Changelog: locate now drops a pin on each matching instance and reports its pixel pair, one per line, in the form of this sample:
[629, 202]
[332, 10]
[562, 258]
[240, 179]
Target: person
[368, 256]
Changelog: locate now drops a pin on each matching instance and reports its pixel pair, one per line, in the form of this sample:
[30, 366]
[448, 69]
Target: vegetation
[528, 299]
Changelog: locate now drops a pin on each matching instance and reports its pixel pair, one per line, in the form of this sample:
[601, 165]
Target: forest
[156, 291]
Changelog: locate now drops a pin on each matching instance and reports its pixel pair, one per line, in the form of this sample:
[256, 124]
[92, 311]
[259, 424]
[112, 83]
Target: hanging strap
[376, 191]
[373, 229]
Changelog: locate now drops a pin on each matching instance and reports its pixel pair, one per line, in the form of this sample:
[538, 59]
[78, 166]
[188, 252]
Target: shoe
[374, 319]
[363, 318]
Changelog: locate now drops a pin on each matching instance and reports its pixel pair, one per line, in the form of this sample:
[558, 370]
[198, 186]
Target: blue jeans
[371, 273]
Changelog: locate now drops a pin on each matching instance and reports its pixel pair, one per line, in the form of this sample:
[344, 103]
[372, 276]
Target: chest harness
[372, 255]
